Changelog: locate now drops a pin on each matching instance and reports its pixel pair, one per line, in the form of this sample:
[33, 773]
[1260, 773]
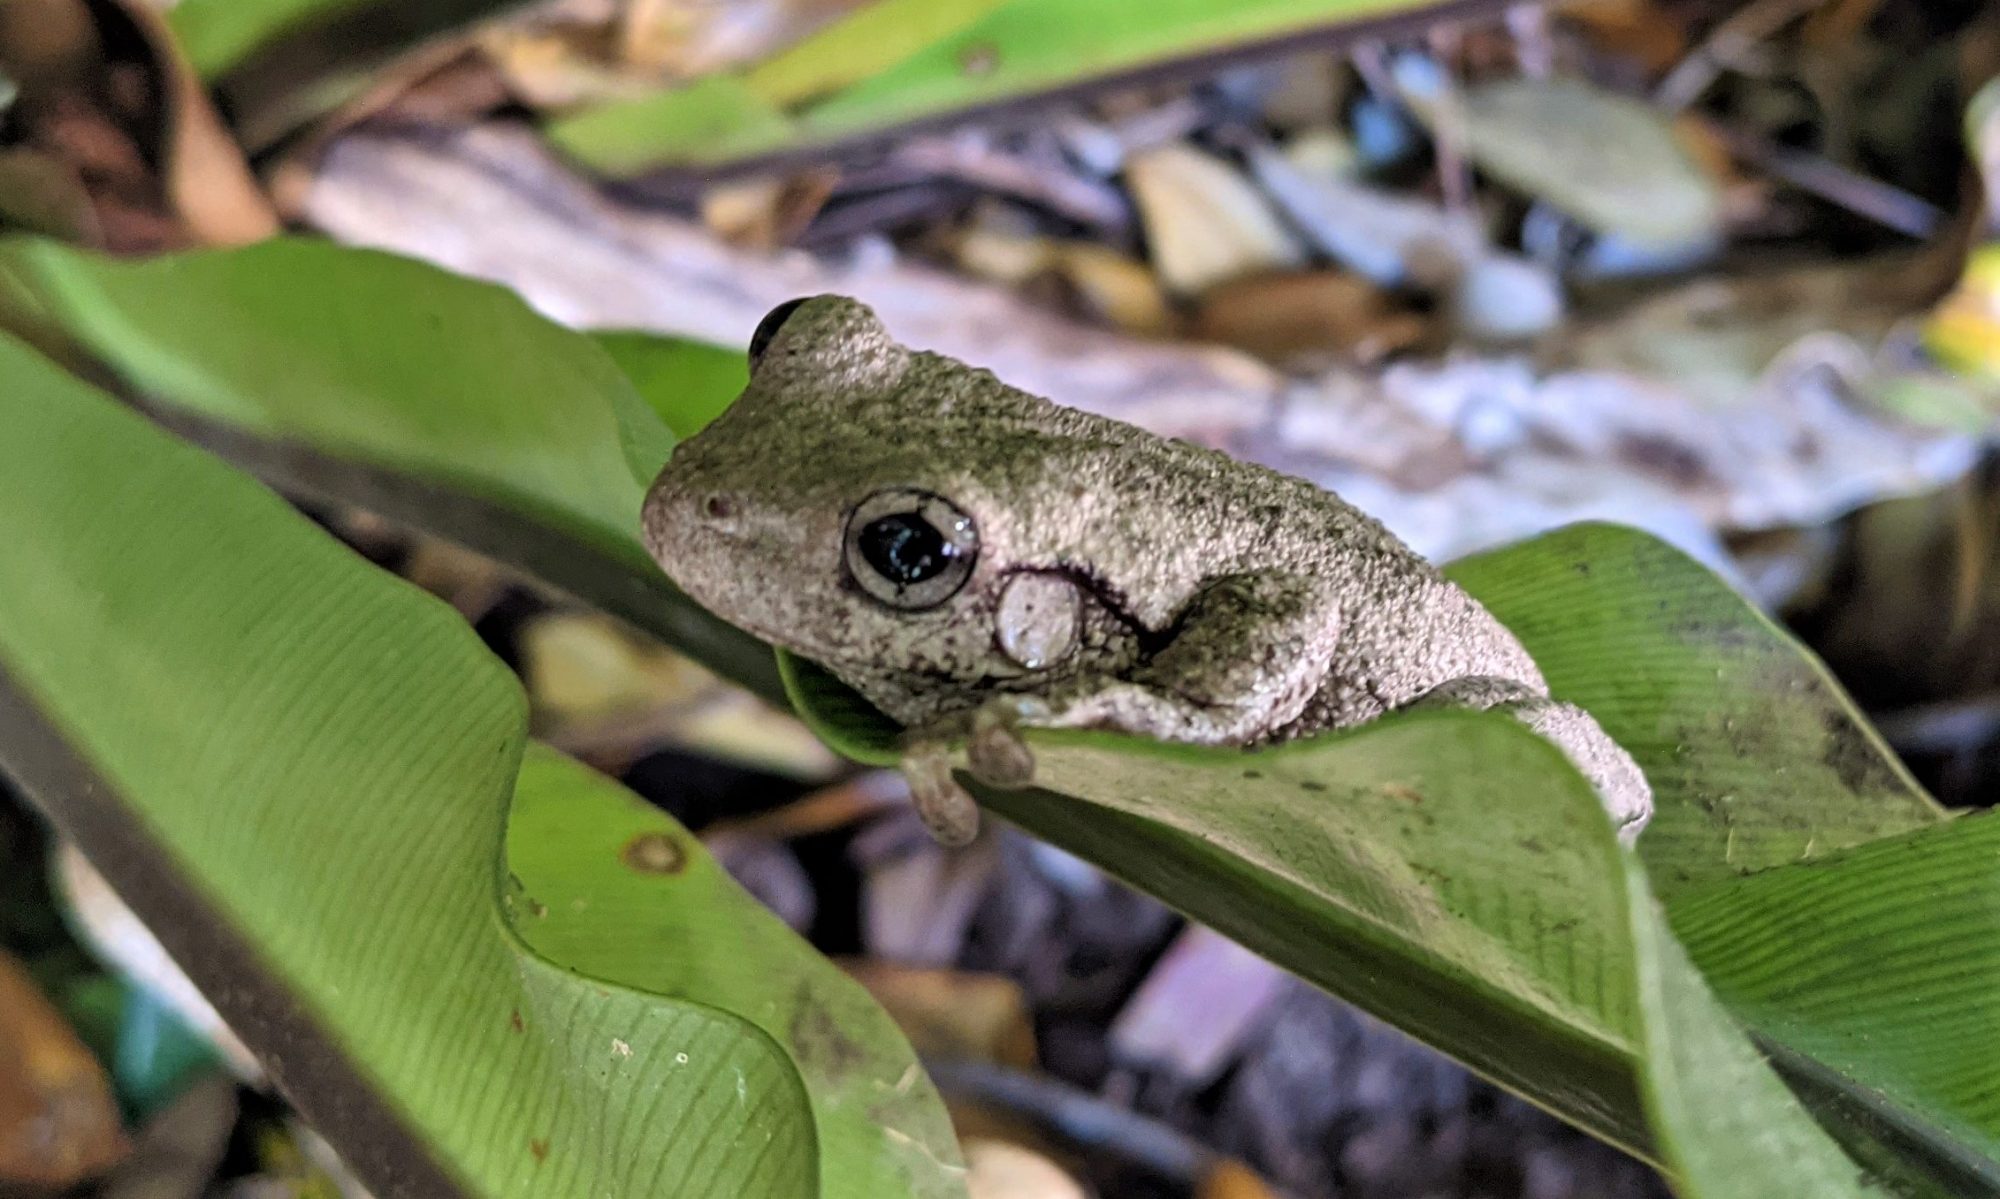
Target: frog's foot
[995, 751]
[947, 810]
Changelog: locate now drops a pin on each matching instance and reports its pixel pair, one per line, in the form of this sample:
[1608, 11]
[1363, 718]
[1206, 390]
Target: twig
[971, 160]
[1726, 46]
[1890, 207]
[1080, 1117]
[1448, 125]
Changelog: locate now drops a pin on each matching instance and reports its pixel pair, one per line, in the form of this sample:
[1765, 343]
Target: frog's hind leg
[1620, 784]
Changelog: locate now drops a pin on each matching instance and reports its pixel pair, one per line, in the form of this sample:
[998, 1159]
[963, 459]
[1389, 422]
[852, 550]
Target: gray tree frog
[974, 559]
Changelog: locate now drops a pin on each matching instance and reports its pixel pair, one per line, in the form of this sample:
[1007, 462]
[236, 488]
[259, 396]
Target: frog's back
[1166, 517]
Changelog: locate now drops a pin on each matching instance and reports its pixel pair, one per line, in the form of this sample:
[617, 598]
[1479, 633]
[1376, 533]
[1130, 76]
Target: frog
[976, 561]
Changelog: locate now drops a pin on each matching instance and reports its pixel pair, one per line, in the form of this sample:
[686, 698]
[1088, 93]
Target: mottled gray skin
[1122, 580]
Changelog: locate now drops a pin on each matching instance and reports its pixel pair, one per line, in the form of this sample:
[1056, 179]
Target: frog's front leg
[1244, 658]
[1621, 785]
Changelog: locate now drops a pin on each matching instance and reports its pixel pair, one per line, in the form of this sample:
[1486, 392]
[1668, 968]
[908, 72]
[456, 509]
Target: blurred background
[1723, 270]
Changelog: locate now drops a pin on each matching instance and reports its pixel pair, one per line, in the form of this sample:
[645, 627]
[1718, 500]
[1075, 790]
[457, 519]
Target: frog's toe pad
[996, 753]
[947, 811]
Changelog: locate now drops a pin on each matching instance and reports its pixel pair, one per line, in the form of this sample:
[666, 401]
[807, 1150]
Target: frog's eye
[910, 549]
[774, 320]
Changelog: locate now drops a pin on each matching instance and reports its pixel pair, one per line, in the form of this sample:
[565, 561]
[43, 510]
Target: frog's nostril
[718, 507]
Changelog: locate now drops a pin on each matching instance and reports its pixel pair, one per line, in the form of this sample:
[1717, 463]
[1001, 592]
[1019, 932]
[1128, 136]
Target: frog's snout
[687, 515]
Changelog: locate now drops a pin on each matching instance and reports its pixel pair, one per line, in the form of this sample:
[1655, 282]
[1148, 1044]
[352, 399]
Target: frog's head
[870, 508]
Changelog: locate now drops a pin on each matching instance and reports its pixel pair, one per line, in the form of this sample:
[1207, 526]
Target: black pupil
[905, 548]
[767, 328]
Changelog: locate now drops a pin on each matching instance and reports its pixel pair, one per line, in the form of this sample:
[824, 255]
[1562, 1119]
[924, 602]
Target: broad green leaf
[615, 890]
[686, 383]
[297, 769]
[1756, 756]
[1451, 873]
[1878, 970]
[219, 34]
[875, 37]
[1016, 50]
[1442, 869]
[351, 374]
[1726, 1125]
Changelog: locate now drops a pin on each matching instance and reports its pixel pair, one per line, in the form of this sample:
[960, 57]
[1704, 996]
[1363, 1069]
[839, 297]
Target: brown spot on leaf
[1851, 756]
[654, 853]
[980, 59]
[1404, 792]
[539, 1146]
[515, 1022]
[818, 1042]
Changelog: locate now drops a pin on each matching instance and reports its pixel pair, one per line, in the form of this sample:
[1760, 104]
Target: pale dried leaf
[1000, 1170]
[1612, 162]
[1204, 222]
[953, 1013]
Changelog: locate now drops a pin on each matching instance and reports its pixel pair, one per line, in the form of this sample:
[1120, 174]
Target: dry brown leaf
[556, 66]
[39, 193]
[1231, 1179]
[47, 44]
[1305, 315]
[208, 180]
[58, 1122]
[1118, 290]
[764, 212]
[1001, 245]
[1454, 456]
[1001, 1170]
[848, 802]
[1205, 223]
[685, 39]
[1636, 29]
[953, 1013]
[605, 693]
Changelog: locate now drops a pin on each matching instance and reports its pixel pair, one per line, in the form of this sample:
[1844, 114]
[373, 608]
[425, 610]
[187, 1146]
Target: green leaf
[218, 34]
[1442, 869]
[1878, 972]
[1450, 872]
[379, 381]
[1727, 1127]
[1013, 51]
[866, 42]
[686, 383]
[296, 768]
[1756, 756]
[615, 890]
